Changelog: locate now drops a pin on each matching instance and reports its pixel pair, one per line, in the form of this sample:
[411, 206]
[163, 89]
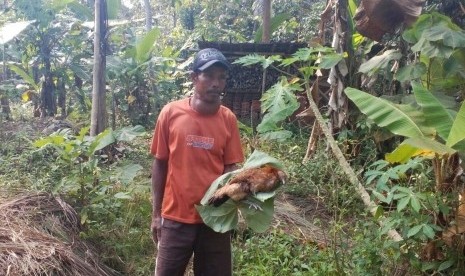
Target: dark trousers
[177, 242]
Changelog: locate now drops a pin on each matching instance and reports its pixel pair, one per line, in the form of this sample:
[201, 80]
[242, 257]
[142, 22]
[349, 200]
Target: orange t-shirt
[197, 147]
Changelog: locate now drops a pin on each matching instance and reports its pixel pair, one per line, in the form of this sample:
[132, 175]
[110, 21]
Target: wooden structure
[246, 84]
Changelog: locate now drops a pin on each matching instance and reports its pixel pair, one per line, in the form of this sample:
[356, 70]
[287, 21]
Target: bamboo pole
[372, 207]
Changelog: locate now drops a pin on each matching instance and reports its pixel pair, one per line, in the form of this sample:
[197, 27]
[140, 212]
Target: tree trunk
[5, 104]
[266, 21]
[47, 95]
[98, 114]
[175, 16]
[148, 15]
[61, 89]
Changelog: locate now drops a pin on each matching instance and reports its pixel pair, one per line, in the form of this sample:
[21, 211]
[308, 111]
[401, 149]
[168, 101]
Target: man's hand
[159, 172]
[155, 228]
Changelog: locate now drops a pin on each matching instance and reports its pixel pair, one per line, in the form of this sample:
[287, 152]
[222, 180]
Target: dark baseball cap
[207, 57]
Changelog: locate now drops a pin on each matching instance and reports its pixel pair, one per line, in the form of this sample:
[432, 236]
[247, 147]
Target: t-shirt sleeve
[160, 140]
[233, 151]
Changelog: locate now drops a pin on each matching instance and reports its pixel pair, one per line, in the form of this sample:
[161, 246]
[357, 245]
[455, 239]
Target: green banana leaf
[225, 217]
[402, 120]
[457, 132]
[145, 45]
[436, 114]
[422, 146]
[113, 8]
[25, 75]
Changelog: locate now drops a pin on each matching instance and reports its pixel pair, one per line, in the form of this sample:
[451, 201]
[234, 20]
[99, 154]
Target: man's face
[210, 83]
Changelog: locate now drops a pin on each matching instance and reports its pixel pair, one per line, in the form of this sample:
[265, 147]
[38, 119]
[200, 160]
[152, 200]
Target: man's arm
[159, 173]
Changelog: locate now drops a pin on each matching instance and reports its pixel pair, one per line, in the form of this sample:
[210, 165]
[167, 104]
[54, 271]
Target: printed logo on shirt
[200, 142]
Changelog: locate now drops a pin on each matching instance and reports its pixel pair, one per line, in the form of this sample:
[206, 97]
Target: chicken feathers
[247, 182]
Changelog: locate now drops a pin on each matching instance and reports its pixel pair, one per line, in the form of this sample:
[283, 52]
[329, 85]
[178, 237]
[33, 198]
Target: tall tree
[148, 15]
[98, 115]
[266, 21]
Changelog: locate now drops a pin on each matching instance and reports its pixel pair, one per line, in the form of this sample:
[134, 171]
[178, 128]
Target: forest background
[369, 123]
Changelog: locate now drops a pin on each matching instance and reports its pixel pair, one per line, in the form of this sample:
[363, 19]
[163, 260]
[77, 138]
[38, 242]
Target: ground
[293, 214]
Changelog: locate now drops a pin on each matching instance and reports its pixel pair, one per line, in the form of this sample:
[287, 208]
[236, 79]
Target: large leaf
[403, 153]
[411, 72]
[432, 49]
[275, 22]
[278, 103]
[324, 56]
[448, 36]
[145, 46]
[113, 8]
[276, 135]
[126, 174]
[129, 133]
[377, 63]
[100, 141]
[424, 23]
[402, 120]
[26, 77]
[221, 219]
[436, 114]
[225, 217]
[330, 60]
[11, 30]
[58, 5]
[259, 220]
[421, 146]
[80, 71]
[434, 35]
[81, 10]
[429, 144]
[252, 59]
[457, 132]
[49, 140]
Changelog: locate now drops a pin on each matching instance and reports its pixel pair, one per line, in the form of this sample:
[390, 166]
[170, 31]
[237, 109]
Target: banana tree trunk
[47, 95]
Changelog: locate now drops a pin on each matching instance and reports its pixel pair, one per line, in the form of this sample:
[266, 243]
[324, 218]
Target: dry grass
[39, 235]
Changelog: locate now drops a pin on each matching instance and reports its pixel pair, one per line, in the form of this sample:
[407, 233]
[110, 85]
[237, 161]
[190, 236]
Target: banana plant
[429, 130]
[140, 67]
[432, 127]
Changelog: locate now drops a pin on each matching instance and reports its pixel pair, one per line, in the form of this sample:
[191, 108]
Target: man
[195, 141]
